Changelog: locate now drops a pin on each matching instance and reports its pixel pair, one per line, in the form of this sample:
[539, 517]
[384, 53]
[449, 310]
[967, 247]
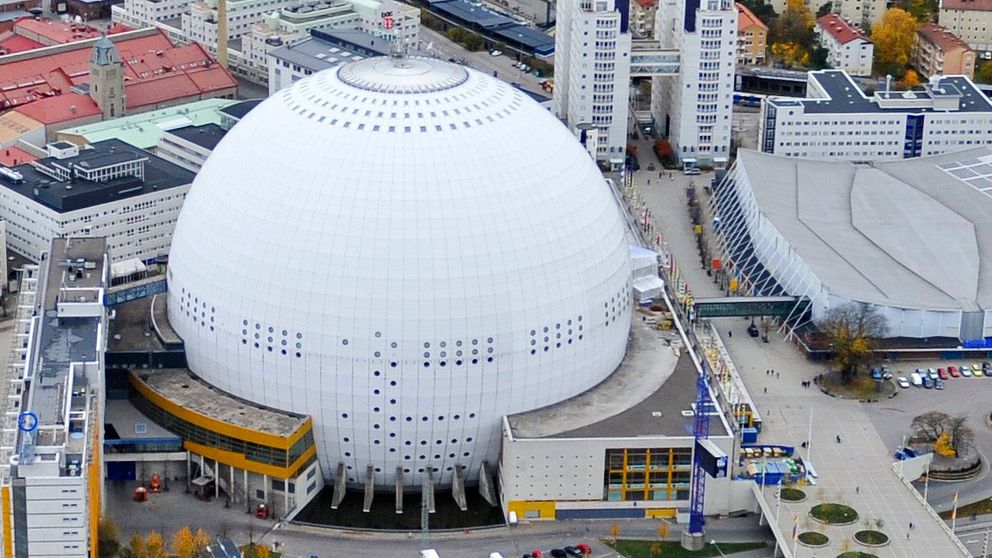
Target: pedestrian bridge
[648, 59]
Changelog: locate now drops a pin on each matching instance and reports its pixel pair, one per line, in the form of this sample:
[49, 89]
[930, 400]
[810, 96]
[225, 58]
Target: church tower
[107, 78]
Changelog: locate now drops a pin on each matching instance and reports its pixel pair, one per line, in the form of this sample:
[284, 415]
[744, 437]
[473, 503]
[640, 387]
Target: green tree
[824, 10]
[984, 72]
[852, 330]
[893, 37]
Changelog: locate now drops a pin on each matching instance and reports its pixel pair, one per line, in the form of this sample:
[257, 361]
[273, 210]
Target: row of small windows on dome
[617, 305]
[272, 339]
[196, 310]
[390, 100]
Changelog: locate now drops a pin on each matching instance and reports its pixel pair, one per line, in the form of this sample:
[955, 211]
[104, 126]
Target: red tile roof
[60, 108]
[840, 29]
[646, 4]
[12, 156]
[976, 5]
[54, 32]
[745, 18]
[11, 42]
[155, 71]
[942, 38]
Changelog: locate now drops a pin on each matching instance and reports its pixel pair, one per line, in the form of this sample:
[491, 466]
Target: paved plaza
[857, 471]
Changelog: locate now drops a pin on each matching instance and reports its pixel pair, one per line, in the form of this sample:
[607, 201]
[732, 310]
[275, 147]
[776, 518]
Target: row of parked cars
[935, 377]
[576, 551]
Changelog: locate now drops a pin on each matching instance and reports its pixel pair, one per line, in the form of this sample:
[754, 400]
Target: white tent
[644, 271]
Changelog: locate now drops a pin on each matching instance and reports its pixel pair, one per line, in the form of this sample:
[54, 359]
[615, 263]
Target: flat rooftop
[206, 136]
[844, 96]
[645, 396]
[327, 49]
[912, 233]
[63, 341]
[78, 193]
[131, 329]
[186, 389]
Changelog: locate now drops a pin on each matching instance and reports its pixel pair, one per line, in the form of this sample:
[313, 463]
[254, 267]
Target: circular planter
[813, 539]
[856, 554]
[834, 514]
[871, 537]
[793, 495]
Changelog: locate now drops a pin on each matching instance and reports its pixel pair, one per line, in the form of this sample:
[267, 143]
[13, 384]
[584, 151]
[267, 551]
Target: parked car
[916, 379]
[986, 365]
[692, 171]
[942, 373]
[977, 372]
[537, 554]
[976, 367]
[558, 553]
[938, 383]
[953, 372]
[573, 551]
[496, 52]
[966, 372]
[932, 373]
[903, 382]
[928, 382]
[876, 373]
[584, 548]
[752, 330]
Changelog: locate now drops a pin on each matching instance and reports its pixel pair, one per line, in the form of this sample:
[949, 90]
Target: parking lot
[962, 396]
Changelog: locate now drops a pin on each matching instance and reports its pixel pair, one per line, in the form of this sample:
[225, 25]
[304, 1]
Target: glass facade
[648, 474]
[188, 431]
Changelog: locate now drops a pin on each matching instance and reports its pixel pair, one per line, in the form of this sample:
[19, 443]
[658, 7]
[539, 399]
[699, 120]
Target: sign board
[387, 20]
[713, 459]
[715, 264]
[745, 306]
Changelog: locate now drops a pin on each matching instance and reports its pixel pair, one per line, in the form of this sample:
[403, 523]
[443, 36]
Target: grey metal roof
[470, 13]
[904, 233]
[846, 97]
[64, 340]
[240, 109]
[159, 175]
[316, 54]
[645, 396]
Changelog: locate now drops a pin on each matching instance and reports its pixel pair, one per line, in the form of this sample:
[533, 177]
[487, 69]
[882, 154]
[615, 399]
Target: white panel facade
[592, 69]
[138, 227]
[350, 253]
[694, 107]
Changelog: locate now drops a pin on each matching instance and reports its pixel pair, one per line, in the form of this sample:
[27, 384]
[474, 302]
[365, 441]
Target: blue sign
[977, 343]
[27, 421]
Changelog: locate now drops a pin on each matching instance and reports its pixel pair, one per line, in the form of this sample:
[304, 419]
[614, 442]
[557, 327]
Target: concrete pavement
[856, 472]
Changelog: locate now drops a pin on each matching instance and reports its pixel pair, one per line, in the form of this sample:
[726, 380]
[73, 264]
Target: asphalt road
[435, 42]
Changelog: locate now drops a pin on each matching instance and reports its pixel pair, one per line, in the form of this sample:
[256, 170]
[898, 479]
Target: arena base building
[908, 237]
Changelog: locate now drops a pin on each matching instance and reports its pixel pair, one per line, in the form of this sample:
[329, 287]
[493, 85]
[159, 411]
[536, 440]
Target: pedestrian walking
[730, 333]
[838, 441]
[910, 525]
[777, 375]
[649, 182]
[766, 390]
[857, 490]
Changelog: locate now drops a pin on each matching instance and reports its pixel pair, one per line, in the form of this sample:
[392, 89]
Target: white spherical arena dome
[405, 250]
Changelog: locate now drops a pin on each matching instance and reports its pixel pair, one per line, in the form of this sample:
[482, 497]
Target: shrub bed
[834, 514]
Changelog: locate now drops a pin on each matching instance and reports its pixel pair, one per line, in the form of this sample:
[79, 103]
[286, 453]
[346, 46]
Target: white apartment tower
[693, 107]
[592, 73]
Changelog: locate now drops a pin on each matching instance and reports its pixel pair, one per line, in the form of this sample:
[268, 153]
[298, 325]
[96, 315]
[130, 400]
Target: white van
[916, 379]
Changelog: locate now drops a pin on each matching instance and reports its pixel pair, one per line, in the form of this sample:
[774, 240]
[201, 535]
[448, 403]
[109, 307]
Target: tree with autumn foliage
[893, 37]
[910, 79]
[791, 34]
[187, 544]
[852, 331]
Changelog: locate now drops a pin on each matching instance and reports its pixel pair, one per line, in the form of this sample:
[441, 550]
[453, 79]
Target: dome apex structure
[406, 250]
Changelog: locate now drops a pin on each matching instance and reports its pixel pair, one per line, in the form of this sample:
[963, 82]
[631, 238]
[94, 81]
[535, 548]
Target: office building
[848, 48]
[111, 190]
[51, 471]
[324, 49]
[938, 52]
[693, 108]
[838, 121]
[592, 73]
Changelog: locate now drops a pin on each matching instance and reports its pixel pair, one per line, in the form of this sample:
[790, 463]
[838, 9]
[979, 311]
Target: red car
[584, 549]
[537, 554]
[942, 373]
[953, 372]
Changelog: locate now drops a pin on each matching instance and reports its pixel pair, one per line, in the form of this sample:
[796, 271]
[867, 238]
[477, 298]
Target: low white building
[838, 121]
[291, 63]
[112, 190]
[848, 47]
[189, 146]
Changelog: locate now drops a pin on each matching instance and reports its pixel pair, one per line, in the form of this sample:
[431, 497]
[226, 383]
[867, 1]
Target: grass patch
[861, 386]
[793, 495]
[981, 507]
[813, 538]
[856, 554]
[834, 514]
[673, 549]
[871, 537]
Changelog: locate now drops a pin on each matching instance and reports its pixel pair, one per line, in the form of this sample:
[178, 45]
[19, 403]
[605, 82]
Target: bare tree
[853, 330]
[929, 426]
